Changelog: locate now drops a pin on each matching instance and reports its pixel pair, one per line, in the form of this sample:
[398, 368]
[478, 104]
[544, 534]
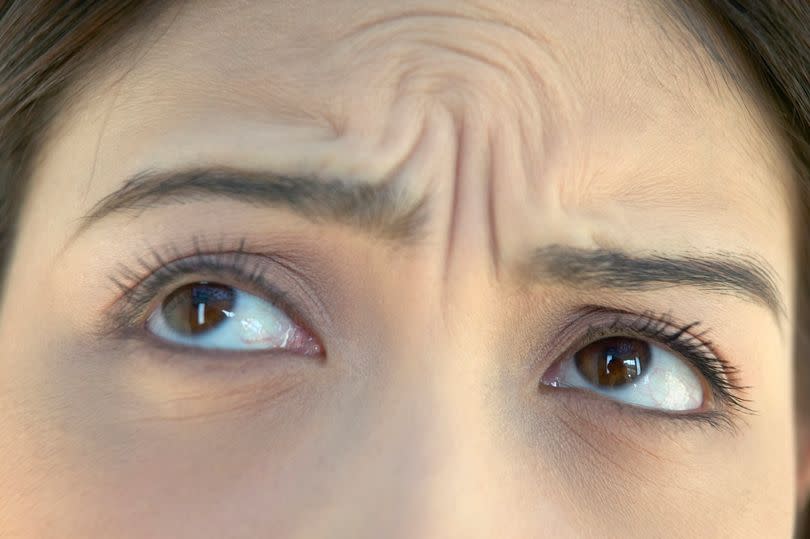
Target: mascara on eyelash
[164, 268]
[693, 347]
[139, 285]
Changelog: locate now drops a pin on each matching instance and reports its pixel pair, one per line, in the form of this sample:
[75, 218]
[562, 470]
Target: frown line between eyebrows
[381, 209]
[385, 210]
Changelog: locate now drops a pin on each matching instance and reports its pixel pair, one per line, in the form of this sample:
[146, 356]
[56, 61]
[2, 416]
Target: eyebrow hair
[726, 273]
[381, 209]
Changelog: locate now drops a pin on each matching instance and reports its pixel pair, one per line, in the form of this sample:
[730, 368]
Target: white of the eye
[253, 323]
[668, 384]
[262, 324]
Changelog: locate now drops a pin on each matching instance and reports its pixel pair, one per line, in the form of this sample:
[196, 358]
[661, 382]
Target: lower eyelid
[613, 416]
[179, 359]
[170, 386]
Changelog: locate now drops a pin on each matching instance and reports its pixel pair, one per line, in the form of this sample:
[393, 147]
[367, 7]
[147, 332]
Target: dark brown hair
[771, 39]
[46, 46]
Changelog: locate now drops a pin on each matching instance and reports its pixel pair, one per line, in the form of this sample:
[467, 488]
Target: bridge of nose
[432, 436]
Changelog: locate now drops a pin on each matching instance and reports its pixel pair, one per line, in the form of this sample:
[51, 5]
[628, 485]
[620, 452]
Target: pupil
[196, 308]
[613, 362]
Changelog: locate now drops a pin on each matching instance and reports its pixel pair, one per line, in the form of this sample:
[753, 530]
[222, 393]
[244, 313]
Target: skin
[584, 124]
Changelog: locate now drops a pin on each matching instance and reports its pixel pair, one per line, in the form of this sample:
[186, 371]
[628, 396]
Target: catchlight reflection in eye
[219, 317]
[632, 371]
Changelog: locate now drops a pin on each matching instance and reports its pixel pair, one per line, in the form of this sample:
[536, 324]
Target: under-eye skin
[648, 363]
[212, 302]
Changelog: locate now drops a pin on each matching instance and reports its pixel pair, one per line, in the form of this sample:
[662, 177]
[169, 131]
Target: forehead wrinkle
[703, 106]
[476, 51]
[485, 15]
[470, 65]
[257, 95]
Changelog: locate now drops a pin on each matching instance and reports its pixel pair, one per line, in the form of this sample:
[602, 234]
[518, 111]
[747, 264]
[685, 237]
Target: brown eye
[214, 316]
[613, 362]
[199, 307]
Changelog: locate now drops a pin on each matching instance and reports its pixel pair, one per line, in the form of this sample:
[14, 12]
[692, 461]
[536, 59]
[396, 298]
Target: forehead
[589, 75]
[606, 63]
[604, 103]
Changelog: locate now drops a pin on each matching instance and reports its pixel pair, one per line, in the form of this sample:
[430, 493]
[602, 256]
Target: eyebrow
[384, 210]
[380, 208]
[726, 273]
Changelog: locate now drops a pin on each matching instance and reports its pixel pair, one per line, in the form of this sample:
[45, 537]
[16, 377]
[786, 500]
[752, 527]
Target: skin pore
[411, 177]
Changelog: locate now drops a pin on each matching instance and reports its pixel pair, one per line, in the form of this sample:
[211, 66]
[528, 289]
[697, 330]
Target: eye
[219, 317]
[632, 371]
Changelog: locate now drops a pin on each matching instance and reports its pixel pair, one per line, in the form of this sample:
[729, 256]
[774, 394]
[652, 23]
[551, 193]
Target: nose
[429, 449]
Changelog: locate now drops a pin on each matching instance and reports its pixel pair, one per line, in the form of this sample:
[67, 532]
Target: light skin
[492, 134]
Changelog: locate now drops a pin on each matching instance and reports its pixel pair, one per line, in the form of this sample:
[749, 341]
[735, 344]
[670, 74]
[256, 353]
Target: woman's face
[402, 269]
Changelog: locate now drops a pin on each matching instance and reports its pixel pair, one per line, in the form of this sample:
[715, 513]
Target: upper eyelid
[128, 281]
[626, 324]
[617, 319]
[626, 328]
[126, 308]
[730, 389]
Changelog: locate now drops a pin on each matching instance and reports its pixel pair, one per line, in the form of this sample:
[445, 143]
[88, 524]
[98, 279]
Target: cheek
[603, 472]
[84, 429]
[98, 445]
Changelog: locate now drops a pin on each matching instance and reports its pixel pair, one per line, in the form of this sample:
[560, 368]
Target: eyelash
[696, 349]
[140, 285]
[160, 270]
